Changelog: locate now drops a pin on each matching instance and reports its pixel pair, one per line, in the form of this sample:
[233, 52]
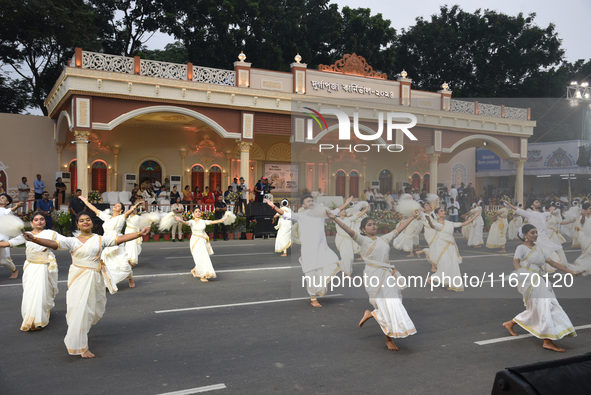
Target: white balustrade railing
[214, 76]
[105, 62]
[489, 110]
[467, 107]
[516, 113]
[153, 68]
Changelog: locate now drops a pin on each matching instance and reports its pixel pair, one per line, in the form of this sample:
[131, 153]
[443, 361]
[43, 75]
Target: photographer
[259, 189]
[242, 190]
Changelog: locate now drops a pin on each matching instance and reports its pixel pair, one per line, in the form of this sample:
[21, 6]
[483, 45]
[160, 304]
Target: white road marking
[240, 304]
[508, 338]
[224, 245]
[196, 390]
[216, 255]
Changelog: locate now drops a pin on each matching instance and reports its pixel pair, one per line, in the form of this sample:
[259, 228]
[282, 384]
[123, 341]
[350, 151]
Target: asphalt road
[174, 333]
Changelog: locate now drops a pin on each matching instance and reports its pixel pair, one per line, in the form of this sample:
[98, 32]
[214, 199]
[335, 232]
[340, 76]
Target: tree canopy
[485, 54]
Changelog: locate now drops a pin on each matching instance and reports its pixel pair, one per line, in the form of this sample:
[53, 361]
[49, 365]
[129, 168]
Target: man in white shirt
[243, 189]
[23, 190]
[453, 193]
[453, 212]
[234, 185]
[156, 186]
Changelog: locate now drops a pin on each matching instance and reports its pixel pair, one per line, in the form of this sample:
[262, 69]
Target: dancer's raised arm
[89, 205]
[347, 230]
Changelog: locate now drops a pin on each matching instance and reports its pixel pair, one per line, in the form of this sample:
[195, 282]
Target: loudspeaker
[564, 376]
[256, 209]
[264, 225]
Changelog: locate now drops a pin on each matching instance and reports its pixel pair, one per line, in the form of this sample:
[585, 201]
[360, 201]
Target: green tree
[14, 95]
[484, 54]
[37, 37]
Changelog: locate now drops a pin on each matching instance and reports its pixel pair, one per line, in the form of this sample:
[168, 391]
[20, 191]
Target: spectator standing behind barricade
[75, 207]
[156, 186]
[453, 193]
[243, 191]
[258, 190]
[234, 185]
[39, 186]
[178, 209]
[220, 211]
[46, 207]
[228, 194]
[60, 189]
[23, 190]
[453, 211]
[470, 195]
[187, 195]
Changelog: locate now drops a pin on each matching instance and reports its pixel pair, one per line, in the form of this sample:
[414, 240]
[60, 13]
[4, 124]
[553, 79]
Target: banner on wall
[542, 158]
[283, 176]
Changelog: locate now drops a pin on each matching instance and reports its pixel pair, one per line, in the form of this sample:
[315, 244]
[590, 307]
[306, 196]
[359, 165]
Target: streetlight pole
[575, 93]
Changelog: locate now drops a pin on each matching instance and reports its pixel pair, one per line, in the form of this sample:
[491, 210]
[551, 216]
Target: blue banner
[487, 160]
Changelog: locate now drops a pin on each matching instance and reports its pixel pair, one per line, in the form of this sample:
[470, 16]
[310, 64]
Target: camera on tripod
[267, 188]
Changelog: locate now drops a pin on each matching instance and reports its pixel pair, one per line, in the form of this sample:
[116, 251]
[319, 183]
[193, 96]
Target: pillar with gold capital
[433, 162]
[519, 163]
[244, 148]
[229, 175]
[82, 161]
[183, 171]
[114, 173]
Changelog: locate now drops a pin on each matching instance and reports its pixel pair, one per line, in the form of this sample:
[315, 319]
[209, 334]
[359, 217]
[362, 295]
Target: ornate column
[519, 163]
[362, 184]
[433, 161]
[109, 179]
[245, 161]
[183, 170]
[114, 170]
[59, 149]
[229, 178]
[82, 161]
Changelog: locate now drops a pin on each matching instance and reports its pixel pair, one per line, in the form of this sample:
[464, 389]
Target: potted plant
[187, 232]
[155, 233]
[250, 227]
[166, 234]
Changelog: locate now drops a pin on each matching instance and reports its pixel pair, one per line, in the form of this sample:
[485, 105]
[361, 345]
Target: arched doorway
[99, 176]
[340, 183]
[73, 176]
[385, 181]
[426, 179]
[416, 181]
[197, 177]
[215, 177]
[354, 183]
[150, 169]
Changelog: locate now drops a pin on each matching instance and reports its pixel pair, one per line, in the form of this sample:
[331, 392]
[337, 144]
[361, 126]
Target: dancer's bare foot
[502, 251]
[204, 280]
[509, 326]
[478, 246]
[87, 354]
[366, 316]
[419, 252]
[433, 269]
[132, 264]
[315, 303]
[193, 272]
[14, 275]
[411, 255]
[390, 344]
[131, 283]
[284, 254]
[359, 259]
[549, 345]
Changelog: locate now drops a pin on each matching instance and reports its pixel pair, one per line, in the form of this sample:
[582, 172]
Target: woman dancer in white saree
[115, 257]
[583, 262]
[88, 276]
[477, 226]
[133, 249]
[543, 317]
[347, 248]
[199, 244]
[515, 224]
[430, 233]
[386, 296]
[444, 252]
[497, 236]
[283, 238]
[39, 276]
